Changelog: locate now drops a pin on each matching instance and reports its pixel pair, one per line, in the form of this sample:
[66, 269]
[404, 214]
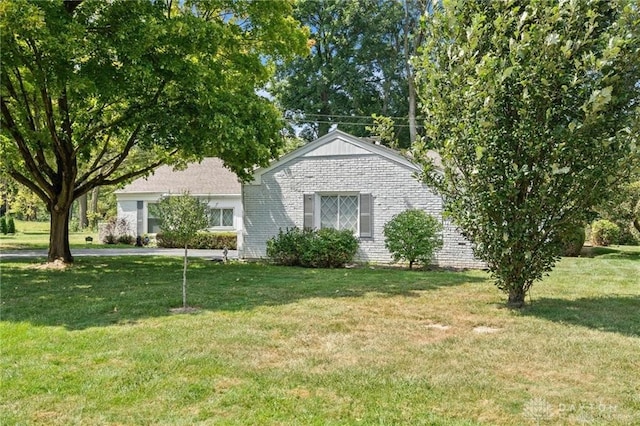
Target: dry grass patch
[56, 265]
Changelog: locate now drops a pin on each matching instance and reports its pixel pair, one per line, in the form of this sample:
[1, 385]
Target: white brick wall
[277, 203]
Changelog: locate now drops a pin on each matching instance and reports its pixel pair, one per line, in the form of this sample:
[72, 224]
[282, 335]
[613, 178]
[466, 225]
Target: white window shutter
[366, 216]
[308, 208]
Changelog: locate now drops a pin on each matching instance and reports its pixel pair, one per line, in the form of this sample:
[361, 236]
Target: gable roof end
[335, 135]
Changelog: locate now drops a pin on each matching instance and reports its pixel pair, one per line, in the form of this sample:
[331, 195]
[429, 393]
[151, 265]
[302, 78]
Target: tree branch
[66, 123]
[102, 180]
[14, 94]
[124, 116]
[48, 106]
[9, 123]
[71, 5]
[115, 163]
[94, 166]
[20, 178]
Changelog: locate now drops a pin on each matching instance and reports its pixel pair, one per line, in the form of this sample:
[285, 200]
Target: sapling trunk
[184, 279]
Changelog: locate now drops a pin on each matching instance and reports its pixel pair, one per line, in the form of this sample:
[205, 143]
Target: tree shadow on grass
[114, 290]
[628, 253]
[617, 314]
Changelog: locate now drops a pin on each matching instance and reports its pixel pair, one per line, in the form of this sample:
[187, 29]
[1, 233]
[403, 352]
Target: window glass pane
[329, 211]
[153, 225]
[214, 217]
[153, 222]
[349, 212]
[227, 217]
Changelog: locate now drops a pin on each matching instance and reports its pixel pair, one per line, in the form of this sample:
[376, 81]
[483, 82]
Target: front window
[221, 218]
[339, 212]
[153, 220]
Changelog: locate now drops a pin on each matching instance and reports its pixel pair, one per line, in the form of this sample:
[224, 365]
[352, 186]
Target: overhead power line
[349, 123]
[354, 116]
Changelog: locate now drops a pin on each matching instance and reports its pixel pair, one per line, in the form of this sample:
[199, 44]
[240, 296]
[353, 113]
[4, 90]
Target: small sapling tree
[414, 236]
[181, 217]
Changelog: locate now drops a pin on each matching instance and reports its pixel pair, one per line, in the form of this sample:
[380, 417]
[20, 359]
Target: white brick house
[342, 181]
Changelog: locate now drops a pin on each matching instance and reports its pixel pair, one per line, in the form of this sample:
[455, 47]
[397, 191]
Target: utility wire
[340, 122]
[354, 116]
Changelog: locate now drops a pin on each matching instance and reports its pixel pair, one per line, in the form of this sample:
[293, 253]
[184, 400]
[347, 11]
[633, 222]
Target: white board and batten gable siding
[343, 169]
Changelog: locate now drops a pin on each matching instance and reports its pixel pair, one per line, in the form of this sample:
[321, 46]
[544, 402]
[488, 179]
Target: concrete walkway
[133, 251]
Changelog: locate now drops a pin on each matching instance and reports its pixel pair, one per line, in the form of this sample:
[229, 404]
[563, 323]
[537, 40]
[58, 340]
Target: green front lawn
[35, 235]
[97, 344]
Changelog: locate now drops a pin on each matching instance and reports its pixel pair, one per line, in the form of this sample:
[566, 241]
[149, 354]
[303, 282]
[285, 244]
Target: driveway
[134, 251]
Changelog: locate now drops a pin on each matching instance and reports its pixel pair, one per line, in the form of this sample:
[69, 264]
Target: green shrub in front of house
[329, 248]
[324, 248]
[604, 232]
[3, 225]
[203, 240]
[413, 236]
[286, 248]
[115, 231]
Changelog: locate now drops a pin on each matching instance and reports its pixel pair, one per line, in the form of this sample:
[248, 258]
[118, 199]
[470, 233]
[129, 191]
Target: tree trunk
[411, 83]
[59, 236]
[413, 130]
[184, 279]
[516, 297]
[83, 222]
[94, 207]
[636, 224]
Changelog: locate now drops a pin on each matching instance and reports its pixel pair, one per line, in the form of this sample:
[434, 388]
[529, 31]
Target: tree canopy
[358, 66]
[530, 105]
[96, 93]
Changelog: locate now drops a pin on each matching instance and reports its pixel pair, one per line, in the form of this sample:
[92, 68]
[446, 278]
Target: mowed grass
[35, 235]
[96, 344]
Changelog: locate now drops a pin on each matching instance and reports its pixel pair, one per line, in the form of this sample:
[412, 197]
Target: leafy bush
[202, 240]
[623, 209]
[604, 232]
[628, 236]
[11, 226]
[329, 248]
[326, 248]
[74, 225]
[286, 247]
[126, 239]
[573, 240]
[114, 231]
[3, 225]
[414, 236]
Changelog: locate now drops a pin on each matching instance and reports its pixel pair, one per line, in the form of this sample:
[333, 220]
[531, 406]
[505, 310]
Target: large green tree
[98, 92]
[358, 66]
[530, 106]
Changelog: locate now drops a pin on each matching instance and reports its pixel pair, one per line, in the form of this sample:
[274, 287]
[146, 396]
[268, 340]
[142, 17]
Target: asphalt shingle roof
[207, 177]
